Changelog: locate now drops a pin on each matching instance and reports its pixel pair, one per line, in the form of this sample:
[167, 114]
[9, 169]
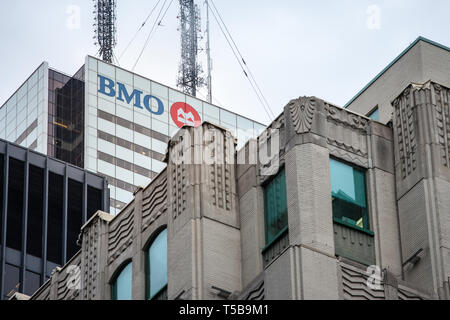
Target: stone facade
[212, 203]
[211, 199]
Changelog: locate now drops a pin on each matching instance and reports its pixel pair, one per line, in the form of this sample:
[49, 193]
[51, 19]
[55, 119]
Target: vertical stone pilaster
[203, 224]
[422, 135]
[381, 193]
[251, 213]
[309, 205]
[139, 270]
[94, 244]
[390, 286]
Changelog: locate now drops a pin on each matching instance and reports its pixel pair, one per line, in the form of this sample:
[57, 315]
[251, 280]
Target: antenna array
[105, 28]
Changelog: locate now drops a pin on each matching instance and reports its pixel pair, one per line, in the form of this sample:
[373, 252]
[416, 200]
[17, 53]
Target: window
[157, 267]
[35, 211]
[15, 204]
[275, 207]
[74, 216]
[32, 282]
[55, 218]
[375, 114]
[348, 192]
[122, 288]
[11, 280]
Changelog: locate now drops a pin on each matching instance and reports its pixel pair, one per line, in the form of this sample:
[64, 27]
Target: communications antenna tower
[208, 55]
[190, 73]
[105, 28]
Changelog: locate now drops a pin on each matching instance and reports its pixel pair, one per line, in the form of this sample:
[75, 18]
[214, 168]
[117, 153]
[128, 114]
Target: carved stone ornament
[302, 113]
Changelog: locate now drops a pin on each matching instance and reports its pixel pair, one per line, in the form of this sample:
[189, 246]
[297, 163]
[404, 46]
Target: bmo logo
[185, 115]
[182, 113]
[138, 98]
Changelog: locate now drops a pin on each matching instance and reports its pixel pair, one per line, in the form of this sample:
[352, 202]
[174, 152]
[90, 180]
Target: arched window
[122, 288]
[157, 268]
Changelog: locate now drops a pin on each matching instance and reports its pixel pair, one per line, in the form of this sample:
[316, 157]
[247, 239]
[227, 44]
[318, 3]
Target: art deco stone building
[337, 196]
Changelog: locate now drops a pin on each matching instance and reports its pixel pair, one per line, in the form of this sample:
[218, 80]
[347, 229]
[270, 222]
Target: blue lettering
[107, 87]
[147, 105]
[123, 92]
[110, 86]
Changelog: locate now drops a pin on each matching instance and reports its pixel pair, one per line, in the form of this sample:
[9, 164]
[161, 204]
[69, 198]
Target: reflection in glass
[275, 204]
[228, 118]
[122, 286]
[348, 191]
[157, 265]
[66, 116]
[375, 115]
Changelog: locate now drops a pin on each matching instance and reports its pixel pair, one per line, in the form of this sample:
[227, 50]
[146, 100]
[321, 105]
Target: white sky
[294, 47]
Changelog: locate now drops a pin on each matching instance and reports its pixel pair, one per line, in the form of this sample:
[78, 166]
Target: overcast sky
[327, 48]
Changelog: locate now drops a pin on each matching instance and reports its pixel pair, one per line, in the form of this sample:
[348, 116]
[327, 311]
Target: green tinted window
[375, 115]
[122, 288]
[157, 265]
[348, 191]
[275, 204]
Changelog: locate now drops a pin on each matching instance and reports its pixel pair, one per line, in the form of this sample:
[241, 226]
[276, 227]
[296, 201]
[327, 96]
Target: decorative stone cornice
[302, 111]
[346, 118]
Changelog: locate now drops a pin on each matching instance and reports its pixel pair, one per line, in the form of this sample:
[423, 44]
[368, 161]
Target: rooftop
[395, 61]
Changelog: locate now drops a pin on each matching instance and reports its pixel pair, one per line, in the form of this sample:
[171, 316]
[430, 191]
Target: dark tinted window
[94, 201]
[32, 282]
[35, 213]
[66, 117]
[11, 279]
[2, 168]
[15, 204]
[75, 216]
[55, 218]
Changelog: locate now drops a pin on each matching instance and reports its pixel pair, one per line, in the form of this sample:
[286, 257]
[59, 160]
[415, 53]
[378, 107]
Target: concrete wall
[423, 62]
[422, 132]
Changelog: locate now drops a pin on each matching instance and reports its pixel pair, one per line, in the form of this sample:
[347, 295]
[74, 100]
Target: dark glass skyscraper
[44, 203]
[66, 117]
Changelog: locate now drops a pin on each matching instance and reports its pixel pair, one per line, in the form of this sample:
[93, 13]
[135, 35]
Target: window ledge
[279, 235]
[349, 225]
[159, 294]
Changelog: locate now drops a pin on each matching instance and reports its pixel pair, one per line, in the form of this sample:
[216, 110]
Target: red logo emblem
[185, 115]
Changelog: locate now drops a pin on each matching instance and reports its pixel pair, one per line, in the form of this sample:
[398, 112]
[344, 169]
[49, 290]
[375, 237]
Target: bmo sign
[182, 113]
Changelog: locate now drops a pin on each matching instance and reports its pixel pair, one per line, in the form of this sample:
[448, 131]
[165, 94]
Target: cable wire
[140, 28]
[243, 60]
[158, 22]
[242, 66]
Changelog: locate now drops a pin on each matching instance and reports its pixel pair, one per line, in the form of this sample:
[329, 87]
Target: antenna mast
[190, 73]
[105, 28]
[208, 54]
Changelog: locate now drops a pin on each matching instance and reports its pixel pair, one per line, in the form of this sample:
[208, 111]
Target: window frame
[116, 276]
[372, 112]
[366, 184]
[147, 248]
[264, 185]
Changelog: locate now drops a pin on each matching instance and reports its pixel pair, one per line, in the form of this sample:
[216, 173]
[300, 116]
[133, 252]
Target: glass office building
[43, 204]
[109, 121]
[23, 118]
